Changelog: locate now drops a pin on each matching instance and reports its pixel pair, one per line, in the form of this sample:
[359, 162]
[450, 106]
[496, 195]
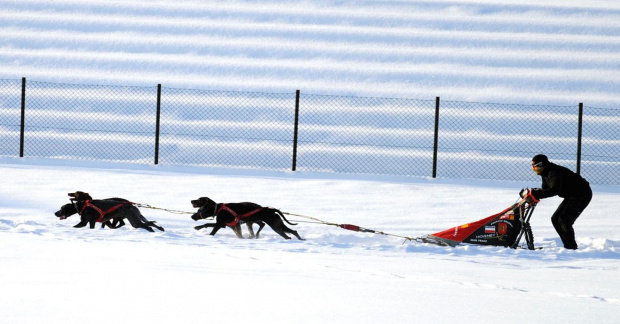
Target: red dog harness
[237, 217]
[100, 211]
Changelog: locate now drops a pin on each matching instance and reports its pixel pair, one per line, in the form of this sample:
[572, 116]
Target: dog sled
[506, 228]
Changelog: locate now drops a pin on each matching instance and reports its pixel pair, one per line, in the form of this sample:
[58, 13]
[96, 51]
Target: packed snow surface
[55, 273]
[530, 52]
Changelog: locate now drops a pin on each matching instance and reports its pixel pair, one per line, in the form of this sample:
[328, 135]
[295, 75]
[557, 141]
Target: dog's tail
[277, 211]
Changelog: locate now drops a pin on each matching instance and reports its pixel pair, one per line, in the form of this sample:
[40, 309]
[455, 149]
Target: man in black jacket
[560, 181]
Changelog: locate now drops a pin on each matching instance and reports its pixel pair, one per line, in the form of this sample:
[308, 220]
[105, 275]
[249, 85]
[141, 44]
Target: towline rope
[349, 227]
[352, 227]
[164, 209]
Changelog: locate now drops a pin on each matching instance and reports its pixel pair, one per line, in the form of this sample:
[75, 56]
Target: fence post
[21, 131]
[579, 132]
[157, 123]
[296, 130]
[436, 140]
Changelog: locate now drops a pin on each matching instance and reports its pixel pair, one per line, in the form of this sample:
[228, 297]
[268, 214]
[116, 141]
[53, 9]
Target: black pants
[566, 215]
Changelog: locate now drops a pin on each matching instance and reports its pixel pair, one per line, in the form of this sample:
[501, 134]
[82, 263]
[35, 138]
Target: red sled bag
[505, 228]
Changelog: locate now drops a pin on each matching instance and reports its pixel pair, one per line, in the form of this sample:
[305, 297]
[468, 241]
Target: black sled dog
[108, 211]
[116, 222]
[234, 214]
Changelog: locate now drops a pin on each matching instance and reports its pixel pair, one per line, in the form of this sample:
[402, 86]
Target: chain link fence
[366, 135]
[218, 128]
[497, 141]
[89, 122]
[10, 117]
[600, 159]
[305, 132]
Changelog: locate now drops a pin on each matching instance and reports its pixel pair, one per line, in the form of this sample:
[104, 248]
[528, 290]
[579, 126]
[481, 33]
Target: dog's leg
[118, 223]
[158, 227]
[152, 223]
[108, 224]
[92, 224]
[216, 227]
[113, 223]
[284, 229]
[149, 223]
[282, 234]
[146, 227]
[294, 232]
[250, 230]
[80, 224]
[136, 222]
[260, 228]
[237, 230]
[277, 227]
[199, 227]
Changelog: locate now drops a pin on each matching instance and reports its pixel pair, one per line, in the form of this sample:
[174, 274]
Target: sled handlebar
[525, 201]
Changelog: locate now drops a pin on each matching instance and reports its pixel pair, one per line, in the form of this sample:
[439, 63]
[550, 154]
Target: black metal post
[296, 130]
[436, 140]
[157, 123]
[579, 132]
[21, 132]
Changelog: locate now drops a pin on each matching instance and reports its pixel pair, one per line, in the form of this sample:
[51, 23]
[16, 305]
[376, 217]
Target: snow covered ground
[54, 273]
[556, 53]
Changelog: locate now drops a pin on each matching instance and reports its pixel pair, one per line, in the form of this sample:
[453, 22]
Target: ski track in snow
[335, 243]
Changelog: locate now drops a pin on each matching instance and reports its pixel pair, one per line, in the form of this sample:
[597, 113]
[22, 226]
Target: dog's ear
[206, 201]
[80, 195]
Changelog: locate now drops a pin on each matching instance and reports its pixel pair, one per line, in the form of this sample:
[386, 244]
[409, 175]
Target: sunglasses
[537, 165]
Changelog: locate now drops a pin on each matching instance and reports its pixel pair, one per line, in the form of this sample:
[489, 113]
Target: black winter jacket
[558, 180]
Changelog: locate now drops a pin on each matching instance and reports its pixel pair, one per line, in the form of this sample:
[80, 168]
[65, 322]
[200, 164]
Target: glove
[529, 196]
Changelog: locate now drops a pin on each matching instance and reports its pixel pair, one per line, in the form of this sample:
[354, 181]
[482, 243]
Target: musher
[560, 181]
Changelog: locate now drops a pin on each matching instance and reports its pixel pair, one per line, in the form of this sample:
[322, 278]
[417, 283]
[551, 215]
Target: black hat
[540, 158]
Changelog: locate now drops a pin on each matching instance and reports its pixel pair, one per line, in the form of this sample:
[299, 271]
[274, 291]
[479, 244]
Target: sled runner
[505, 228]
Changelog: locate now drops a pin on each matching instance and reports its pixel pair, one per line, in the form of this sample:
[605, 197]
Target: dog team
[111, 212]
